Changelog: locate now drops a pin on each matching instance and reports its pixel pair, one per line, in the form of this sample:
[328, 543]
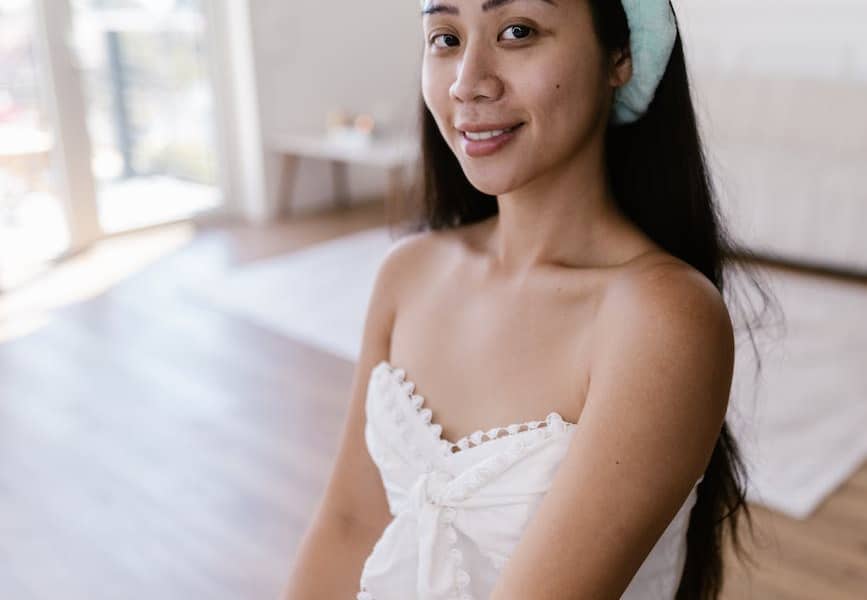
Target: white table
[393, 154]
[25, 153]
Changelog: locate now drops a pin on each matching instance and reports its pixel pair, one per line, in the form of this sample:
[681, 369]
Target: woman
[568, 263]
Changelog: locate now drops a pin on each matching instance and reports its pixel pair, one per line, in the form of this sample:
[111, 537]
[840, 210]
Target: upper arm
[655, 406]
[354, 496]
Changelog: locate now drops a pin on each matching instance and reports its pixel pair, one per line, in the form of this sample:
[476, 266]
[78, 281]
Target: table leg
[341, 186]
[288, 171]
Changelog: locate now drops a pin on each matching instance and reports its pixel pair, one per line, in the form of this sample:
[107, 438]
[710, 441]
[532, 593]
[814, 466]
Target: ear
[621, 67]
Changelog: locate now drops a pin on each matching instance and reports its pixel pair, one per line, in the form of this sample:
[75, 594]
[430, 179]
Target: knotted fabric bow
[438, 507]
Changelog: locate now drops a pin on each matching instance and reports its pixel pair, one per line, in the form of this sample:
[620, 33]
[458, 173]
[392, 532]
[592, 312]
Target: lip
[487, 147]
[479, 127]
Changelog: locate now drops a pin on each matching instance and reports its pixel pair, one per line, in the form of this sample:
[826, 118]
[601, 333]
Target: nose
[476, 79]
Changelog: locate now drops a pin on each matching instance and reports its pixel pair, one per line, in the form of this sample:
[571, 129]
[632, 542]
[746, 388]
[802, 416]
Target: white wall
[781, 88]
[314, 56]
[822, 39]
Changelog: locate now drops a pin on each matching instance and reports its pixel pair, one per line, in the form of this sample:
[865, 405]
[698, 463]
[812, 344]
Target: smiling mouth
[486, 135]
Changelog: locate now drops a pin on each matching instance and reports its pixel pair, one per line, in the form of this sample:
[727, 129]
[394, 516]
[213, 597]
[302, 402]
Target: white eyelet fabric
[460, 509]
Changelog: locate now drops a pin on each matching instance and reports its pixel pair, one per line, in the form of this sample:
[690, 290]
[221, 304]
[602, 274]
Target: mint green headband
[652, 33]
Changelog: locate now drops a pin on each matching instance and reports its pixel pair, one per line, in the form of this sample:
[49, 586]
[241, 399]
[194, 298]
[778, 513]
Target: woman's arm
[354, 509]
[330, 559]
[659, 387]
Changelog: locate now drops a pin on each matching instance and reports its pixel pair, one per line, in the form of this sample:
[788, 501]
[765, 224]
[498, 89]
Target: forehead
[432, 7]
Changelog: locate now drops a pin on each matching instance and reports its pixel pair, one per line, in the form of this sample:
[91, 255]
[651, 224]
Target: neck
[565, 217]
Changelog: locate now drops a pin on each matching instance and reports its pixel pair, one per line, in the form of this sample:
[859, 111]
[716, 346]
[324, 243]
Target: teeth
[485, 135]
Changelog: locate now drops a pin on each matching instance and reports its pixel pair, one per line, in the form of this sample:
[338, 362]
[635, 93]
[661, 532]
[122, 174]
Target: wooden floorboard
[152, 446]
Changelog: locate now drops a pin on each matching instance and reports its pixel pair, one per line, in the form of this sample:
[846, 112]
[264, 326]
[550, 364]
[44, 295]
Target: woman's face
[500, 63]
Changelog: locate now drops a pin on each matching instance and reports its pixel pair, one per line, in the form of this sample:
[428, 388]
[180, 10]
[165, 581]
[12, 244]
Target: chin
[491, 184]
[493, 175]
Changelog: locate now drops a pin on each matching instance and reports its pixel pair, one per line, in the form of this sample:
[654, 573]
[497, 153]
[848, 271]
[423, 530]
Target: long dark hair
[658, 172]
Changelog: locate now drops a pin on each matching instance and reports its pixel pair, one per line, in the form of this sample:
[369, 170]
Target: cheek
[435, 92]
[426, 80]
[565, 98]
[435, 82]
[426, 89]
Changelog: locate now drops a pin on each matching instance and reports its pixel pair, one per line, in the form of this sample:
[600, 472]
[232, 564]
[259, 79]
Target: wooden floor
[154, 447]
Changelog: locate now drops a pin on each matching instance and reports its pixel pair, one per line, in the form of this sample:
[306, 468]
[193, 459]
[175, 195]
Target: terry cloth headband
[652, 33]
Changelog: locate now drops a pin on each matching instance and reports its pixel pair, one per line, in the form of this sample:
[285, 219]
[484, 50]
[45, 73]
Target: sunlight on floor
[27, 309]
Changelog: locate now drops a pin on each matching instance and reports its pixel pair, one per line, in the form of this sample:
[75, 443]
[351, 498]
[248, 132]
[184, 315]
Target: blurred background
[194, 198]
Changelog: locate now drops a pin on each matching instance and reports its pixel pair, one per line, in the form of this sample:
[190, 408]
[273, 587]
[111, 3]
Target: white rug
[318, 295]
[802, 431]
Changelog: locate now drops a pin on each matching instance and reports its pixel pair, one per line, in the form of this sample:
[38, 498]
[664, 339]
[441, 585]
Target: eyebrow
[488, 5]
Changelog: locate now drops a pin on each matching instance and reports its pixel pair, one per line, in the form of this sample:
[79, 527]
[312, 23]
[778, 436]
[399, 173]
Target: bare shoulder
[414, 251]
[667, 288]
[664, 305]
[399, 264]
[413, 260]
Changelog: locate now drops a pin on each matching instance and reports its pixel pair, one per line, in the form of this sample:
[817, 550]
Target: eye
[526, 28]
[441, 35]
